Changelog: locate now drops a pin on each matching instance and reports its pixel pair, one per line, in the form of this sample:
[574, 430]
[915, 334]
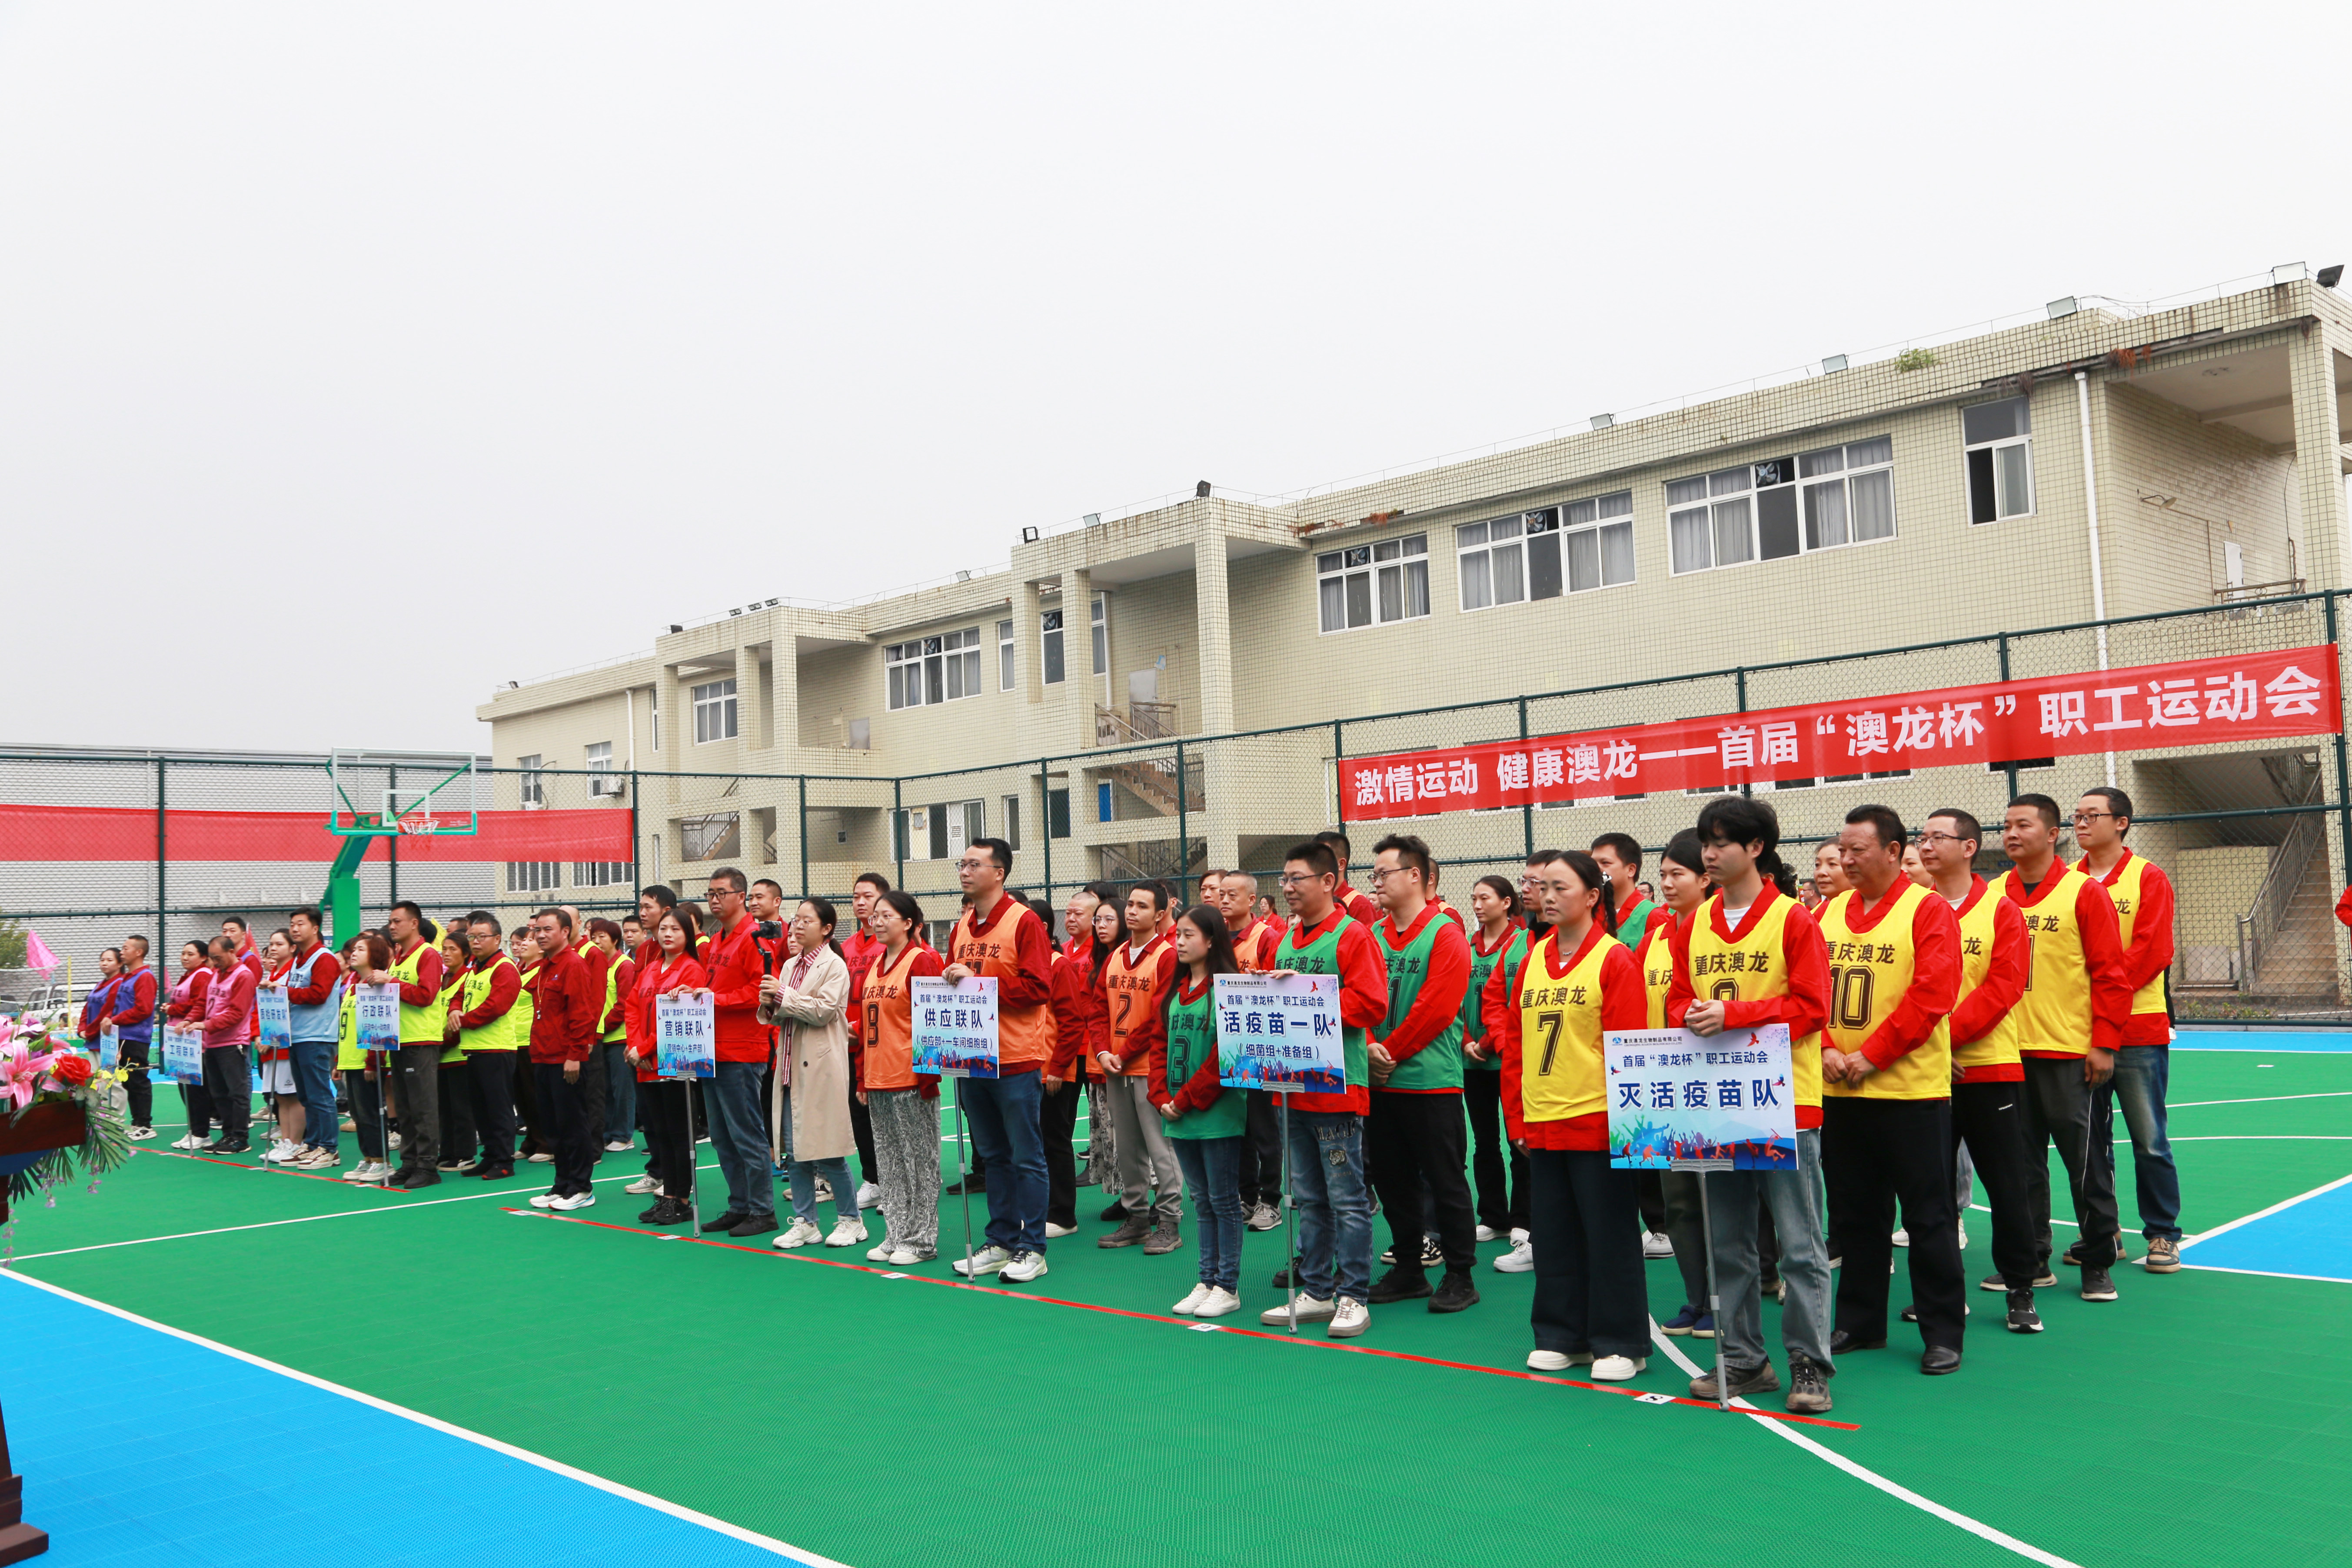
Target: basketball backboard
[386, 794]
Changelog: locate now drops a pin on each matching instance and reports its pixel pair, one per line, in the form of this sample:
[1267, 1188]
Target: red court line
[1278, 1338]
[235, 1166]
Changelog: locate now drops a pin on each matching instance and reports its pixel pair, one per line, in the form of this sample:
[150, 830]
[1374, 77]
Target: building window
[1769, 786]
[1544, 554]
[1373, 584]
[534, 787]
[1057, 813]
[1849, 493]
[1004, 655]
[534, 876]
[1011, 803]
[1050, 637]
[1099, 619]
[601, 782]
[715, 836]
[938, 832]
[656, 707]
[933, 669]
[601, 874]
[714, 711]
[1999, 441]
[1711, 520]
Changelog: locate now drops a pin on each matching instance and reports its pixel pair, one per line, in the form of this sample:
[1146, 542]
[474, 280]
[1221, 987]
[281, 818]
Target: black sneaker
[1454, 1291]
[1399, 1284]
[1842, 1342]
[2096, 1286]
[2023, 1317]
[1283, 1277]
[239, 1147]
[1809, 1388]
[1432, 1255]
[1111, 1216]
[2072, 1257]
[1757, 1379]
[974, 1183]
[2042, 1281]
[751, 1225]
[423, 1176]
[727, 1221]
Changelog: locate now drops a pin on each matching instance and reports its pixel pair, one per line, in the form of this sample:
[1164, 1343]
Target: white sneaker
[1520, 1259]
[1902, 1238]
[643, 1186]
[1193, 1298]
[358, 1172]
[375, 1170]
[905, 1257]
[799, 1233]
[141, 1134]
[1056, 1232]
[823, 1191]
[869, 1197]
[544, 1200]
[1964, 1235]
[189, 1141]
[881, 1254]
[618, 1145]
[1220, 1301]
[280, 1151]
[846, 1233]
[1488, 1233]
[1310, 1310]
[989, 1259]
[1349, 1318]
[541, 1158]
[1618, 1368]
[317, 1159]
[1657, 1244]
[394, 1141]
[1555, 1361]
[574, 1201]
[1023, 1267]
[1518, 1235]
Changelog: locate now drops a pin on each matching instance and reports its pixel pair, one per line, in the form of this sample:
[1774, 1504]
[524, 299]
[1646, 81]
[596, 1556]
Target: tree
[12, 944]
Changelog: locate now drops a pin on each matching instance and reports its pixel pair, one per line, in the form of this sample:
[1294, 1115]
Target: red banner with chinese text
[2193, 702]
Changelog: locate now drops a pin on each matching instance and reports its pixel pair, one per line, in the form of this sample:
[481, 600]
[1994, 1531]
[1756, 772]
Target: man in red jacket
[1000, 937]
[859, 949]
[567, 1007]
[738, 1128]
[133, 1018]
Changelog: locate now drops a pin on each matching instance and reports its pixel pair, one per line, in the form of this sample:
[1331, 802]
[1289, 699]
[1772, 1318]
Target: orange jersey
[1133, 984]
[886, 1010]
[1011, 948]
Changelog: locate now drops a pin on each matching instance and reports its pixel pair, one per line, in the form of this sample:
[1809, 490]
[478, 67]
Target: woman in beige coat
[810, 998]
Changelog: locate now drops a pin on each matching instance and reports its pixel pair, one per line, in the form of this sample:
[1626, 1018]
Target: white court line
[2189, 1241]
[2268, 1273]
[554, 1467]
[299, 1219]
[2262, 1098]
[1860, 1472]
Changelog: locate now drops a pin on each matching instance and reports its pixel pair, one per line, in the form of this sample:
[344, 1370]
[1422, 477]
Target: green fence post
[1183, 832]
[1526, 809]
[804, 882]
[898, 845]
[1739, 676]
[1339, 793]
[2343, 788]
[392, 840]
[2009, 767]
[162, 955]
[637, 848]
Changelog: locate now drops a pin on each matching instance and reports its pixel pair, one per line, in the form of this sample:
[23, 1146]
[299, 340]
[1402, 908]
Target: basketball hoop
[386, 796]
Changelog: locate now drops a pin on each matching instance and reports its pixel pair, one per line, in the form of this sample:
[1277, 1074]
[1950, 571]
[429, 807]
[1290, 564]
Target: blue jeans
[1335, 1213]
[620, 1094]
[1213, 1173]
[739, 1135]
[804, 1174]
[1006, 1142]
[2142, 1075]
[314, 1086]
[1795, 1198]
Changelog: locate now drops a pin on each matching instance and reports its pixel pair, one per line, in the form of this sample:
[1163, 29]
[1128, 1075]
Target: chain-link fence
[2253, 833]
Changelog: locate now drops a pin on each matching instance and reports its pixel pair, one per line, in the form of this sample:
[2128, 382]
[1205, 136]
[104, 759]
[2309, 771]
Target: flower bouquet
[58, 1113]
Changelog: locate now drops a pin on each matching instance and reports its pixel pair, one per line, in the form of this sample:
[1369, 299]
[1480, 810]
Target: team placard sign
[686, 1033]
[1281, 1034]
[277, 1014]
[376, 1008]
[955, 1027]
[183, 1055]
[109, 1048]
[1688, 1102]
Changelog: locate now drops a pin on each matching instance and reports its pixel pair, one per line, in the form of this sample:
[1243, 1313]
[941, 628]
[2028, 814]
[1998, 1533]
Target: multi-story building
[2099, 462]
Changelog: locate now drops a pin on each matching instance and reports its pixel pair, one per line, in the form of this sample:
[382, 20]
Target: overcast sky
[356, 359]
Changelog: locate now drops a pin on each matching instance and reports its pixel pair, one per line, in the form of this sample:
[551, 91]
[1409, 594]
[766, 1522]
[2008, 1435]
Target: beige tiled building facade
[1941, 495]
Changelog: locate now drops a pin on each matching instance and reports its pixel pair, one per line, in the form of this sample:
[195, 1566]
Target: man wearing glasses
[739, 1132]
[2143, 897]
[2069, 1022]
[998, 935]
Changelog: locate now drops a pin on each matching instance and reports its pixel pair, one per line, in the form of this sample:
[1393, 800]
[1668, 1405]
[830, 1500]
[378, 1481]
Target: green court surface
[2204, 1418]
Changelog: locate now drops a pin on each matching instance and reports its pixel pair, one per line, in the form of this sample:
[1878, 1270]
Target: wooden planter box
[55, 1125]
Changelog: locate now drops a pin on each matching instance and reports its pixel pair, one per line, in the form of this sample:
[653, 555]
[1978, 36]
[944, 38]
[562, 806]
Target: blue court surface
[2221, 1038]
[2310, 1239]
[155, 1452]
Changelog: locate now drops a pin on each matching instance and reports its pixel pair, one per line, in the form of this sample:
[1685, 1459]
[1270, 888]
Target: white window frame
[1004, 658]
[1053, 648]
[1401, 563]
[534, 876]
[535, 783]
[1833, 781]
[1996, 462]
[1726, 507]
[1579, 524]
[924, 671]
[1098, 635]
[601, 782]
[1840, 470]
[601, 874]
[911, 826]
[714, 710]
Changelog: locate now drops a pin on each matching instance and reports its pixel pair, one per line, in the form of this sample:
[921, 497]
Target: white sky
[379, 354]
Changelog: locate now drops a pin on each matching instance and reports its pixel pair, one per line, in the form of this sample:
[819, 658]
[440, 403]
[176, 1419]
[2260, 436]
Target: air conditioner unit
[603, 785]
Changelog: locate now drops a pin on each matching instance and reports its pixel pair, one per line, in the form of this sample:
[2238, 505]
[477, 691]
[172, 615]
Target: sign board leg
[693, 1161]
[383, 1112]
[963, 1179]
[1714, 1299]
[1290, 1209]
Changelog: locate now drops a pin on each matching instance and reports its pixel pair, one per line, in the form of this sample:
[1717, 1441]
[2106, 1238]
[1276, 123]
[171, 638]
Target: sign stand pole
[963, 1178]
[1714, 1299]
[693, 1174]
[1290, 1209]
[383, 1113]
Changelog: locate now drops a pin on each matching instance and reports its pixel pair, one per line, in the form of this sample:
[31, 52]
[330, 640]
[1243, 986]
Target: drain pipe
[2091, 506]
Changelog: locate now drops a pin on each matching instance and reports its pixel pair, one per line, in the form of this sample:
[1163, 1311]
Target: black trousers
[460, 1139]
[2058, 1110]
[525, 1106]
[229, 1082]
[1501, 1170]
[593, 1094]
[1990, 1118]
[1262, 1151]
[1585, 1222]
[563, 1125]
[1654, 1201]
[664, 1104]
[1422, 1139]
[135, 1085]
[367, 1110]
[1058, 1124]
[491, 1078]
[1871, 1147]
[861, 1128]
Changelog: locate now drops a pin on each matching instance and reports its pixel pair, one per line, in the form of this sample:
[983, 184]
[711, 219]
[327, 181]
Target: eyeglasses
[1941, 838]
[971, 865]
[2083, 818]
[1294, 880]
